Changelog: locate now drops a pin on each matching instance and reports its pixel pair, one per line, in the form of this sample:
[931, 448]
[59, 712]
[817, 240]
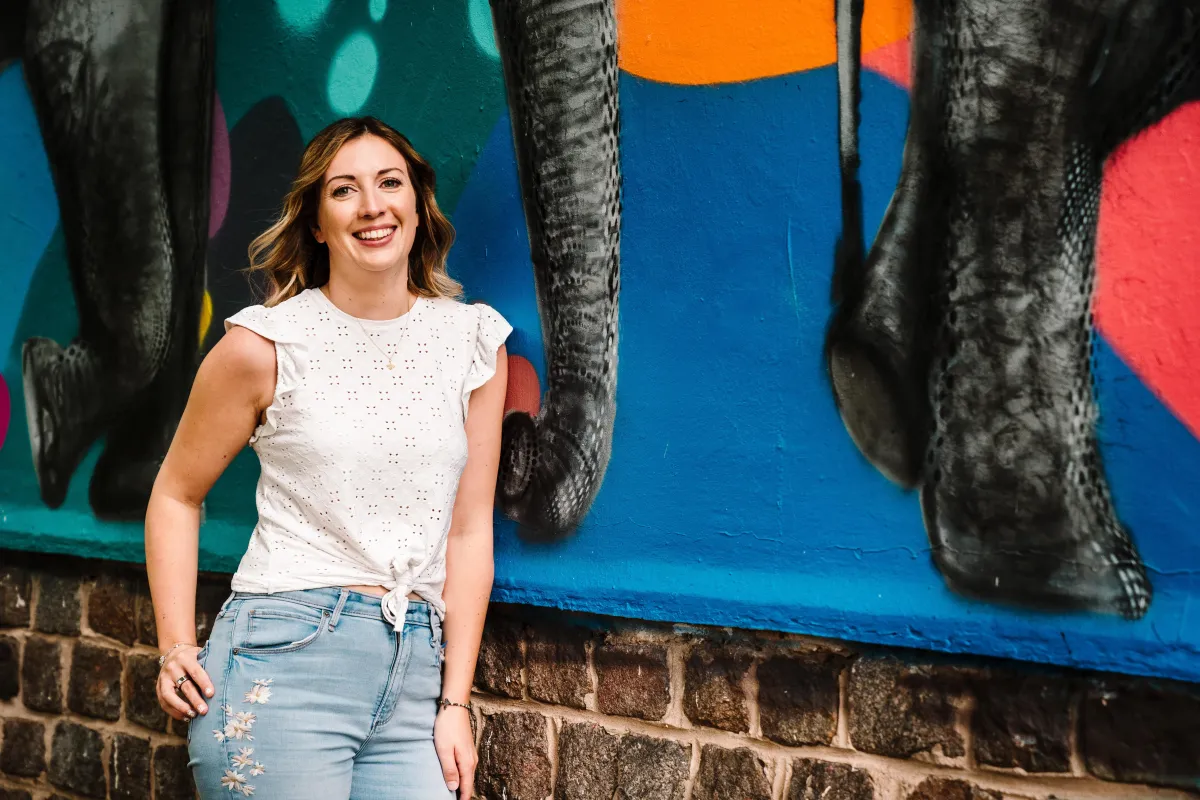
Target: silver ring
[181, 681]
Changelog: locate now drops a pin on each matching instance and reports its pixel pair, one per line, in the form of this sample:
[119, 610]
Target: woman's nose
[372, 203]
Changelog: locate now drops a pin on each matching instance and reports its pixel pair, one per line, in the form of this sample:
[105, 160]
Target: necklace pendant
[391, 365]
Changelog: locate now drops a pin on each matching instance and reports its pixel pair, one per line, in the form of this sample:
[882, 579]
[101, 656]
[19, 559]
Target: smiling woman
[373, 399]
[337, 175]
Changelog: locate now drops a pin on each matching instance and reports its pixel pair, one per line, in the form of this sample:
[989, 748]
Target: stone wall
[584, 708]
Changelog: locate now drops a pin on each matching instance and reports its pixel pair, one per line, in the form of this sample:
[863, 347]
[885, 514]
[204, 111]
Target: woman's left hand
[455, 745]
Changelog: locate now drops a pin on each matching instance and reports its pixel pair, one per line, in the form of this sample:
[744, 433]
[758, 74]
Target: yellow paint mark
[206, 312]
[697, 42]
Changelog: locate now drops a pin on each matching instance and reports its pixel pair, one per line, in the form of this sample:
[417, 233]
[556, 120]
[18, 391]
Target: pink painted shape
[5, 410]
[892, 61]
[221, 170]
[1148, 260]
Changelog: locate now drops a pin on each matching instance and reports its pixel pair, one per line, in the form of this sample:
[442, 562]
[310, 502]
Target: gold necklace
[390, 361]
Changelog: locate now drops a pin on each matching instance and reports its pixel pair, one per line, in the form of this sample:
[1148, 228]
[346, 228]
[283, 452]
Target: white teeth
[376, 234]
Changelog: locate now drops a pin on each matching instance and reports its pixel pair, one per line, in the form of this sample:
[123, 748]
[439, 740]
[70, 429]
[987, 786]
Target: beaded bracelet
[445, 703]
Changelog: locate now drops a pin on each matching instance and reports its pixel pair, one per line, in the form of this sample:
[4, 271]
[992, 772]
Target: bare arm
[469, 565]
[232, 388]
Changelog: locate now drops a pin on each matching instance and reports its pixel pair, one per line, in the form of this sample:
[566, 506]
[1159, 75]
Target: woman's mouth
[376, 237]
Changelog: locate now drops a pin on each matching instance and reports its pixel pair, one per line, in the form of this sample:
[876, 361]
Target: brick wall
[573, 707]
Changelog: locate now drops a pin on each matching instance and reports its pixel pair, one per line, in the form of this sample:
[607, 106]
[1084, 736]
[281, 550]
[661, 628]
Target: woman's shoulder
[467, 317]
[243, 353]
[282, 322]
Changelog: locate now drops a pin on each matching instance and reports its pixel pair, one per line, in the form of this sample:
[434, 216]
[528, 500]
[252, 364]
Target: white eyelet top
[361, 463]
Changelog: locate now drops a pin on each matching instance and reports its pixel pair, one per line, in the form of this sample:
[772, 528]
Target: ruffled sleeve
[491, 332]
[291, 359]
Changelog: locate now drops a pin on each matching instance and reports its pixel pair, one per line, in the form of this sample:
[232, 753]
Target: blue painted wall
[734, 495]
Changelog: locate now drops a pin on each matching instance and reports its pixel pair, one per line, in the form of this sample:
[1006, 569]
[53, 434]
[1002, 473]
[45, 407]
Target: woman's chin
[377, 263]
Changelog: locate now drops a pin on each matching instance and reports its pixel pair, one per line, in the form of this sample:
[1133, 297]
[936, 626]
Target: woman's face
[368, 210]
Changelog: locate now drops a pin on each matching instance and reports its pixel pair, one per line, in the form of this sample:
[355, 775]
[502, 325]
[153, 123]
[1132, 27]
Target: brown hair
[291, 259]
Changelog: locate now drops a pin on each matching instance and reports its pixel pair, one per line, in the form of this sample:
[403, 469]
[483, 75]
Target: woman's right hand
[183, 702]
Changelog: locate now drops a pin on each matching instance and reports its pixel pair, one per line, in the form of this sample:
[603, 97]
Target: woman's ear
[316, 232]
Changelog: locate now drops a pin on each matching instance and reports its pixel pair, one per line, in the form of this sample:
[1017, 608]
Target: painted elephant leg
[140, 435]
[877, 342]
[93, 70]
[1015, 497]
[1026, 106]
[560, 70]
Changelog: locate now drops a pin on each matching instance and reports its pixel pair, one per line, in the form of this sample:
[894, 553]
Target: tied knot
[405, 573]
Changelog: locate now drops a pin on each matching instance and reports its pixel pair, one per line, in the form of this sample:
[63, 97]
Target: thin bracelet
[163, 658]
[445, 703]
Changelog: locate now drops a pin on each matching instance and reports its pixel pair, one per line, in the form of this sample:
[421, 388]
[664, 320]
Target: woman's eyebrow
[351, 177]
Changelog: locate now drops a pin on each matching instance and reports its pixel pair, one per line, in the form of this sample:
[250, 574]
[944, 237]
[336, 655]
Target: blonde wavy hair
[289, 257]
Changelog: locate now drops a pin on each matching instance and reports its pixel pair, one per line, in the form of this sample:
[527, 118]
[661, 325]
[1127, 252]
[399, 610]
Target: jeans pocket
[202, 656]
[279, 627]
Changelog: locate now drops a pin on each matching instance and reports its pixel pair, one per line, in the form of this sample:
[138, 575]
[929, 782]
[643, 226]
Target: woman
[374, 402]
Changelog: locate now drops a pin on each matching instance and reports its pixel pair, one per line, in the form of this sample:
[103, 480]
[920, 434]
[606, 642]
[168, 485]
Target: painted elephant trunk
[560, 70]
[974, 303]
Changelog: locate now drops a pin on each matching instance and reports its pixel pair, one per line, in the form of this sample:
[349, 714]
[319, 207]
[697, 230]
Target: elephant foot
[1015, 497]
[63, 405]
[877, 408]
[547, 482]
[1067, 561]
[876, 344]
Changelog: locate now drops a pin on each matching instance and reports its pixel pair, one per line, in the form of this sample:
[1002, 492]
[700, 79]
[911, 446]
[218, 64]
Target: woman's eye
[341, 191]
[391, 183]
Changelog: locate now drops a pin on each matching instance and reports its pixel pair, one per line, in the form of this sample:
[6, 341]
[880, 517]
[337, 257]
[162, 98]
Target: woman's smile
[376, 236]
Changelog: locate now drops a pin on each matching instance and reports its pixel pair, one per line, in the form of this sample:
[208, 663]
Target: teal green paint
[302, 15]
[377, 9]
[352, 74]
[479, 16]
[433, 83]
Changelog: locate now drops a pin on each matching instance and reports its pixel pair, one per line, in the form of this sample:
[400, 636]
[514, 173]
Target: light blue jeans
[317, 697]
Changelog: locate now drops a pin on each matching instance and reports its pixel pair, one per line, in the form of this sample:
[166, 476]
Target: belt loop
[337, 610]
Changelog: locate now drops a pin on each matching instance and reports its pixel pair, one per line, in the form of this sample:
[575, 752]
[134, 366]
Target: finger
[192, 695]
[170, 711]
[203, 683]
[466, 771]
[170, 701]
[449, 769]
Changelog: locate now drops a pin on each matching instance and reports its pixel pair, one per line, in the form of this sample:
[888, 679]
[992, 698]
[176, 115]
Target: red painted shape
[892, 61]
[1148, 253]
[5, 410]
[524, 389]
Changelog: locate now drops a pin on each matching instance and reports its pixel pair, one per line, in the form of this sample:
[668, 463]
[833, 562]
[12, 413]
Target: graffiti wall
[875, 327]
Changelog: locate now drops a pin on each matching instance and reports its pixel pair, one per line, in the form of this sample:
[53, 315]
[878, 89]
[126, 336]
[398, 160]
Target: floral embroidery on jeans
[260, 693]
[238, 725]
[235, 781]
[238, 730]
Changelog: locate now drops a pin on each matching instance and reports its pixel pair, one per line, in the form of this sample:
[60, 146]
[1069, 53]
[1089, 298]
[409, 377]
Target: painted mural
[1009, 238]
[961, 346]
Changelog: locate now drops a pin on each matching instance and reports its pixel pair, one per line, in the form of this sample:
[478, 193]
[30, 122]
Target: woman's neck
[381, 296]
